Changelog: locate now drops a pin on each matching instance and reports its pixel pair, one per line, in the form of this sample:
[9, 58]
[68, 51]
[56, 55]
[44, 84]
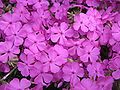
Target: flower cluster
[73, 44]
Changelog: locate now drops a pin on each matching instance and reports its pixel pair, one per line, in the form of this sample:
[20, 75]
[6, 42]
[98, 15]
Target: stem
[4, 78]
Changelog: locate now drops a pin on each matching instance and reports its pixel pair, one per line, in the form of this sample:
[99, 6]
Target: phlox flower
[105, 35]
[52, 62]
[35, 42]
[61, 51]
[81, 22]
[59, 10]
[7, 21]
[24, 67]
[108, 14]
[17, 84]
[72, 72]
[60, 33]
[41, 77]
[93, 37]
[116, 31]
[22, 12]
[86, 84]
[114, 65]
[105, 83]
[16, 35]
[95, 21]
[88, 52]
[115, 47]
[95, 70]
[75, 45]
[8, 51]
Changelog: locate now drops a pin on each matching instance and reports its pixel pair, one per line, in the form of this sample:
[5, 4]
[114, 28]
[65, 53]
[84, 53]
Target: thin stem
[4, 78]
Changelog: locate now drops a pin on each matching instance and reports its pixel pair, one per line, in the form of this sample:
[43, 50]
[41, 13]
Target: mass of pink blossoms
[73, 44]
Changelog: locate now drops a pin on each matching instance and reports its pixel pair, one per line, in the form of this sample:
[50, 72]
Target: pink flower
[115, 47]
[116, 74]
[108, 14]
[76, 44]
[94, 19]
[35, 42]
[8, 51]
[24, 67]
[114, 65]
[86, 84]
[17, 84]
[72, 72]
[16, 35]
[7, 21]
[116, 31]
[105, 35]
[60, 33]
[88, 52]
[93, 3]
[93, 37]
[41, 77]
[60, 10]
[105, 83]
[81, 22]
[95, 70]
[22, 12]
[52, 62]
[61, 51]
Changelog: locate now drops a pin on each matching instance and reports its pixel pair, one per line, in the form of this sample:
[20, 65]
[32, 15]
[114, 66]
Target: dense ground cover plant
[59, 44]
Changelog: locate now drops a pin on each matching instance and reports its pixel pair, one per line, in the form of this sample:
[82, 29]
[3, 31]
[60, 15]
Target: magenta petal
[47, 77]
[23, 68]
[86, 83]
[38, 79]
[18, 41]
[61, 51]
[41, 46]
[46, 67]
[55, 37]
[84, 58]
[54, 68]
[63, 26]
[66, 77]
[24, 83]
[15, 83]
[34, 48]
[69, 33]
[60, 60]
[4, 58]
[72, 50]
[116, 74]
[15, 50]
[52, 54]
